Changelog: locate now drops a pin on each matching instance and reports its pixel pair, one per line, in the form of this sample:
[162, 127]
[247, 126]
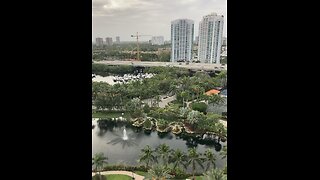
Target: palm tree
[222, 78]
[184, 112]
[158, 173]
[147, 156]
[184, 95]
[215, 99]
[194, 158]
[178, 158]
[215, 174]
[162, 124]
[136, 103]
[99, 160]
[163, 151]
[196, 90]
[172, 88]
[185, 83]
[193, 117]
[210, 159]
[221, 131]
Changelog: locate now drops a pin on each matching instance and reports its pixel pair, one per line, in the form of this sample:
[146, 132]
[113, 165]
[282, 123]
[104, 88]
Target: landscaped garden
[112, 177]
[164, 162]
[135, 105]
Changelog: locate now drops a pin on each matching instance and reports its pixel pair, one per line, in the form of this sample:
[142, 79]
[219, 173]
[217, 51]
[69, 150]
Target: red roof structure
[212, 91]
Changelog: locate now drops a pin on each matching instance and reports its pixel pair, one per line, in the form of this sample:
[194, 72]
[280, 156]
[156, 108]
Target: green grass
[104, 114]
[118, 177]
[197, 178]
[142, 173]
[112, 177]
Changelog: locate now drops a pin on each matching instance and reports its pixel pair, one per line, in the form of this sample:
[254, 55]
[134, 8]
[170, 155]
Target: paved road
[128, 173]
[164, 102]
[197, 66]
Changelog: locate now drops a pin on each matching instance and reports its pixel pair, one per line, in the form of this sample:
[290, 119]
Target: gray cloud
[122, 18]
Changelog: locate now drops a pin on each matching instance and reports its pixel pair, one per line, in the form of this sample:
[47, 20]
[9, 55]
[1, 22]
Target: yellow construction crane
[137, 36]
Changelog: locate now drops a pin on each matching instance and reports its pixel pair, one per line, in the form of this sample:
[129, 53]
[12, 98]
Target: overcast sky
[111, 18]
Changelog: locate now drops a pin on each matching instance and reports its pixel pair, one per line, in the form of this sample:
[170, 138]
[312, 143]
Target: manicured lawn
[142, 173]
[113, 177]
[104, 114]
[197, 178]
[118, 177]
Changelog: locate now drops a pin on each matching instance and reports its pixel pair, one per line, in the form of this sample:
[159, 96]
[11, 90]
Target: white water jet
[125, 137]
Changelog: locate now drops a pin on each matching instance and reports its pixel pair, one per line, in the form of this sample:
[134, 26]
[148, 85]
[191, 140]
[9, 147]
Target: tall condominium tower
[109, 41]
[99, 41]
[182, 31]
[118, 39]
[210, 38]
[224, 41]
[196, 41]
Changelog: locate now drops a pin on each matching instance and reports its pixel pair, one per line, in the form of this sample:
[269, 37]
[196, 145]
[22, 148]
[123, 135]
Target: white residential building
[109, 41]
[182, 32]
[210, 38]
[224, 41]
[196, 41]
[118, 39]
[99, 41]
[157, 40]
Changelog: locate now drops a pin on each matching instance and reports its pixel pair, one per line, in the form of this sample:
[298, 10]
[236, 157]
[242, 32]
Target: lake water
[109, 141]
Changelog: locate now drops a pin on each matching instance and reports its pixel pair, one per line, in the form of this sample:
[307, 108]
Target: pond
[123, 143]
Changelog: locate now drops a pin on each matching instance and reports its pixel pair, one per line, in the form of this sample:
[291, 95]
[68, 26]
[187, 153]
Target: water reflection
[124, 139]
[101, 132]
[108, 138]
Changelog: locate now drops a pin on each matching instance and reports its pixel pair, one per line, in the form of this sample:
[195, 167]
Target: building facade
[196, 41]
[118, 39]
[109, 41]
[157, 40]
[99, 42]
[224, 41]
[210, 38]
[182, 33]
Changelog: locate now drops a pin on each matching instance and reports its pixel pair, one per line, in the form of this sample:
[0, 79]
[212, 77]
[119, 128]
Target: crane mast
[138, 51]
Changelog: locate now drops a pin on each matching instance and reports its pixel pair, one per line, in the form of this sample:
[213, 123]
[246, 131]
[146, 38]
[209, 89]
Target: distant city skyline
[111, 18]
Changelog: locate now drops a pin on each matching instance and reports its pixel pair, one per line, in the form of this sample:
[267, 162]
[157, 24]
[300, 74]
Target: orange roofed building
[212, 91]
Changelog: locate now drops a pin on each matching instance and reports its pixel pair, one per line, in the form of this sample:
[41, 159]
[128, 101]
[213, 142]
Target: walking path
[128, 173]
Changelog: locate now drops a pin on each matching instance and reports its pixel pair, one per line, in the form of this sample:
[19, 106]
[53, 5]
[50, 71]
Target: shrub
[146, 108]
[137, 113]
[199, 106]
[125, 167]
[105, 70]
[179, 173]
[147, 124]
